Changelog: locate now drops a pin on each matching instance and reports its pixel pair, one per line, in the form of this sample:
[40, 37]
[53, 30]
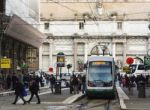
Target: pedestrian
[79, 82]
[83, 83]
[18, 91]
[34, 88]
[14, 78]
[71, 86]
[52, 82]
[75, 84]
[8, 79]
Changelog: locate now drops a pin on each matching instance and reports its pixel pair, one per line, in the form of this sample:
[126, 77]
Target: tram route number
[5, 63]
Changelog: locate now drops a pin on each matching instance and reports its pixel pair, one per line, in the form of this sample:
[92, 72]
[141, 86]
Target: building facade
[118, 24]
[20, 38]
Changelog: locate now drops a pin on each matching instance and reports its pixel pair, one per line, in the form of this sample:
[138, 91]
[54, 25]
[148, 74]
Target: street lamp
[103, 47]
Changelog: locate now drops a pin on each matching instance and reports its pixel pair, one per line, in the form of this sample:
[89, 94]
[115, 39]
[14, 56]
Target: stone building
[19, 37]
[76, 26]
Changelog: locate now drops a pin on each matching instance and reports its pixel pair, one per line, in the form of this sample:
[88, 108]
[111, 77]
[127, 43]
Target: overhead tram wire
[94, 19]
[58, 3]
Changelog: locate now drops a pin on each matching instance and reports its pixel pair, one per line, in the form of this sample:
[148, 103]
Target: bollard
[141, 90]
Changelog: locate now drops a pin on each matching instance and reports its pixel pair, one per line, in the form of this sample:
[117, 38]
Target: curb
[73, 98]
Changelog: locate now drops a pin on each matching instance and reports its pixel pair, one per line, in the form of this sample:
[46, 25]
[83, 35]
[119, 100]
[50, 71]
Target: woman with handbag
[18, 92]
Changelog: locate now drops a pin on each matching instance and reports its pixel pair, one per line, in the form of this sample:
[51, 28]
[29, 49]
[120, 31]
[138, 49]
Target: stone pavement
[47, 97]
[129, 100]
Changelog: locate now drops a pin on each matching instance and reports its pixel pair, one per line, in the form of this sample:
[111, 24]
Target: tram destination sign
[96, 63]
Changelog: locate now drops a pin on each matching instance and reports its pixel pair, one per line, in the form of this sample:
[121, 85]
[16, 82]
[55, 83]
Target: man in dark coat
[34, 88]
[52, 82]
[18, 89]
[14, 78]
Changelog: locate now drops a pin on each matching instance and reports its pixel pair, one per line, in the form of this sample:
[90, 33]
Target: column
[75, 56]
[114, 50]
[148, 44]
[51, 54]
[124, 52]
[40, 57]
[85, 52]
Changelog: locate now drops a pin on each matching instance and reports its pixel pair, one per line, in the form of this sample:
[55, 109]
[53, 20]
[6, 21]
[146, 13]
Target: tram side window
[141, 67]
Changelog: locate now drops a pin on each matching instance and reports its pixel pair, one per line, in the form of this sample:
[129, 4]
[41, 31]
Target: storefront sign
[5, 63]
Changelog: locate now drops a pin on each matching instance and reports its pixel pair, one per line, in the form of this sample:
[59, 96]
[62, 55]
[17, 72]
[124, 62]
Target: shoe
[14, 103]
[24, 103]
[38, 103]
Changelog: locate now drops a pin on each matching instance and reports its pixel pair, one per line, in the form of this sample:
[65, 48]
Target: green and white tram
[100, 77]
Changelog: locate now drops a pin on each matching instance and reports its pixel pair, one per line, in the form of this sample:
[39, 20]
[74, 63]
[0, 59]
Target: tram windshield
[100, 73]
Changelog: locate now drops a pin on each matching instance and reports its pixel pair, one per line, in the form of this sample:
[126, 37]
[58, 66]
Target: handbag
[23, 92]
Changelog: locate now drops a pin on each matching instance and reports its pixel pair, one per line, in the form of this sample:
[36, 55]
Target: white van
[138, 69]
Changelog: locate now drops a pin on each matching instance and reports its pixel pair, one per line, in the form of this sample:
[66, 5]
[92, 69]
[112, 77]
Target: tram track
[88, 104]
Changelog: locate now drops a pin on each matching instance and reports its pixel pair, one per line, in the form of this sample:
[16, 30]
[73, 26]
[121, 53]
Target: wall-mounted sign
[5, 63]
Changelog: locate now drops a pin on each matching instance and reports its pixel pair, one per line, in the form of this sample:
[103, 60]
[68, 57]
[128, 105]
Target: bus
[100, 79]
[138, 69]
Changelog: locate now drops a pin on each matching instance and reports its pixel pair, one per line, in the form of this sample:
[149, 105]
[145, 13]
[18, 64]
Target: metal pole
[1, 37]
[103, 51]
[60, 73]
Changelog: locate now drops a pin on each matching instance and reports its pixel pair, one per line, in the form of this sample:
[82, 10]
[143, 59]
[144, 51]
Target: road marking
[73, 98]
[122, 96]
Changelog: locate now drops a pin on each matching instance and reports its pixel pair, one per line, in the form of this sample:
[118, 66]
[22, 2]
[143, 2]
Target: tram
[100, 77]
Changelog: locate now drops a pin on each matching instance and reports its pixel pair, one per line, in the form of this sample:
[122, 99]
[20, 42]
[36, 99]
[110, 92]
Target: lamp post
[103, 47]
[1, 37]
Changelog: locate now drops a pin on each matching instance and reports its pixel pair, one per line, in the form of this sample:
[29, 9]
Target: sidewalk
[50, 98]
[10, 92]
[131, 101]
[47, 97]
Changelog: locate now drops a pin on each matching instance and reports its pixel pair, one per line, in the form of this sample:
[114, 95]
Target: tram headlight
[91, 84]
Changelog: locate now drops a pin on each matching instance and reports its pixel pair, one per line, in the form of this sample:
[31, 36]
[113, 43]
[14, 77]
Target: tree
[68, 67]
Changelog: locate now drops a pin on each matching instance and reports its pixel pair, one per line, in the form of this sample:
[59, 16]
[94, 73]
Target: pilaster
[75, 55]
[40, 57]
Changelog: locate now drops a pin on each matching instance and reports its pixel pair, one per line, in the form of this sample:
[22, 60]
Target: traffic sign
[50, 69]
[60, 59]
[126, 69]
[5, 63]
[129, 60]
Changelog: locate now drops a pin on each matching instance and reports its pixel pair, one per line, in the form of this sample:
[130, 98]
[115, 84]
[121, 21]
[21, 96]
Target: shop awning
[22, 31]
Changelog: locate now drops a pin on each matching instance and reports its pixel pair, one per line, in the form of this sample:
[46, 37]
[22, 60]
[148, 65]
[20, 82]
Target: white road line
[73, 98]
[122, 96]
